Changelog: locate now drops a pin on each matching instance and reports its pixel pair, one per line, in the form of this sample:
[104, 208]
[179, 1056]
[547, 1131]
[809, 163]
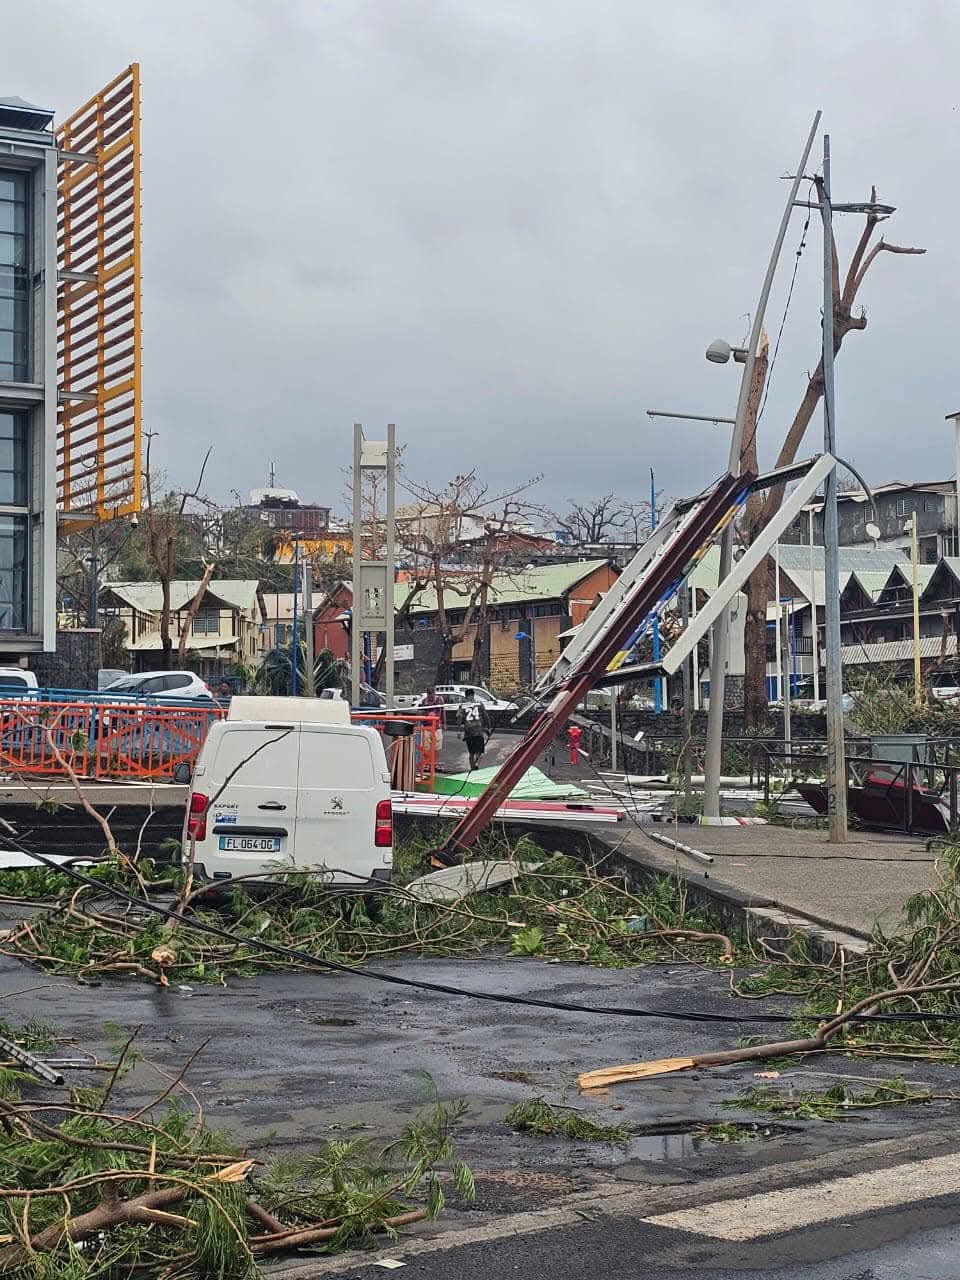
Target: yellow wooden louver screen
[98, 306]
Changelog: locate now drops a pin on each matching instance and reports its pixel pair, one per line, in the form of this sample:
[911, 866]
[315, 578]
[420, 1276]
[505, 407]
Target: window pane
[13, 459]
[13, 186]
[13, 250]
[13, 217]
[13, 577]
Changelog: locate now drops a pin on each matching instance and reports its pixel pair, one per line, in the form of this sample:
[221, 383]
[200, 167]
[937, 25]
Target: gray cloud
[513, 226]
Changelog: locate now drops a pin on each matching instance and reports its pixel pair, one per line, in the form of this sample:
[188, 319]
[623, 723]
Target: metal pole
[777, 663]
[836, 763]
[686, 672]
[721, 628]
[309, 674]
[390, 555]
[613, 729]
[657, 690]
[295, 642]
[914, 559]
[695, 655]
[813, 617]
[956, 455]
[355, 639]
[94, 607]
[785, 676]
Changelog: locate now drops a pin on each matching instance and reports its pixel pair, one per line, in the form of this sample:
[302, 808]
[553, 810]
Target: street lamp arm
[863, 485]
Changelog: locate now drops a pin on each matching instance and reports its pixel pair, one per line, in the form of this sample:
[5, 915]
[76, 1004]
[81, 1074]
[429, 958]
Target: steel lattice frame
[98, 307]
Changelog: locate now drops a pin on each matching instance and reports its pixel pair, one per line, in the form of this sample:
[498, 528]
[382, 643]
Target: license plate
[250, 844]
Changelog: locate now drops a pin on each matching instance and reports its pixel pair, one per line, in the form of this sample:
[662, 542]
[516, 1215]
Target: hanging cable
[783, 320]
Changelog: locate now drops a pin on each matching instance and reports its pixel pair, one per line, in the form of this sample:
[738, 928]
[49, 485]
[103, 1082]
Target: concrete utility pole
[836, 761]
[721, 629]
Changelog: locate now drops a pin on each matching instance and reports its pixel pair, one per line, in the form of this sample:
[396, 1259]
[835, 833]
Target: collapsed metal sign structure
[601, 651]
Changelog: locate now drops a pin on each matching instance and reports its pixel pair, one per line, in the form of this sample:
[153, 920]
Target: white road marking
[774, 1212]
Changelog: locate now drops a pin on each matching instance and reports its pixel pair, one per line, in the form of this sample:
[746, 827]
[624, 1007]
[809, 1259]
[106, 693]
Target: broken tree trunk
[753, 1053]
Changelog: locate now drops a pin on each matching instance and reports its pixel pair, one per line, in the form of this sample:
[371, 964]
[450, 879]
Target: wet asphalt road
[293, 1059]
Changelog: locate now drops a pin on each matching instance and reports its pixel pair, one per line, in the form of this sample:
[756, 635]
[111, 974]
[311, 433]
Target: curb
[760, 918]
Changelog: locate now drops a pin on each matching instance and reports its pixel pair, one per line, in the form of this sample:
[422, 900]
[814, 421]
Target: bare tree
[457, 540]
[761, 509]
[595, 520]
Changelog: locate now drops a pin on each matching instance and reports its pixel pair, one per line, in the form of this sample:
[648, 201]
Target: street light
[720, 351]
[721, 628]
[689, 417]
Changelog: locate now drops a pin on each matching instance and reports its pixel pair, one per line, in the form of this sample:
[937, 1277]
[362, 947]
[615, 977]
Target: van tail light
[197, 817]
[383, 831]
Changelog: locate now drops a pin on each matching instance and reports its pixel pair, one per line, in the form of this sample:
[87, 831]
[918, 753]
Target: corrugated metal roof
[895, 650]
[801, 580]
[147, 597]
[796, 555]
[152, 642]
[518, 586]
[872, 581]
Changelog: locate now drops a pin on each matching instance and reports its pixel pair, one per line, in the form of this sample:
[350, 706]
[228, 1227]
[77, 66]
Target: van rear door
[254, 819]
[343, 776]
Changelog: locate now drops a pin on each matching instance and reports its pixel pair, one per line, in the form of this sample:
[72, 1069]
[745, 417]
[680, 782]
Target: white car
[16, 680]
[945, 686]
[290, 781]
[454, 694]
[165, 686]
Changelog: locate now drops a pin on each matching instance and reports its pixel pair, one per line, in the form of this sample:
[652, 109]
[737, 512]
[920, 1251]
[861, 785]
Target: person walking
[476, 727]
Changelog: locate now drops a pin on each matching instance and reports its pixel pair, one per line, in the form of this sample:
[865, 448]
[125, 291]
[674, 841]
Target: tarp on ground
[534, 785]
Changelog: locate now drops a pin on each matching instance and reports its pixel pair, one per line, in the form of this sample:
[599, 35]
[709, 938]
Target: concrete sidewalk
[793, 872]
[847, 888]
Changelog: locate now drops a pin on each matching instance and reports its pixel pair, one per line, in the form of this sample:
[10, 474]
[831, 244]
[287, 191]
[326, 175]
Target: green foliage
[557, 909]
[542, 1118]
[350, 1187]
[725, 1132]
[882, 706]
[527, 942]
[827, 1104]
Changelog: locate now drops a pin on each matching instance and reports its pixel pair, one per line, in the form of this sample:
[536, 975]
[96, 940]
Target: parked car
[15, 680]
[945, 686]
[455, 693]
[291, 781]
[165, 686]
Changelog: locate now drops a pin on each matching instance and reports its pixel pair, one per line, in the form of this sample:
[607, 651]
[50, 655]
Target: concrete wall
[73, 665]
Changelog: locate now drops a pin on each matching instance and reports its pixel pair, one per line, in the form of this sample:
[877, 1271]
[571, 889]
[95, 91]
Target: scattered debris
[835, 1102]
[452, 884]
[547, 1120]
[153, 1191]
[549, 906]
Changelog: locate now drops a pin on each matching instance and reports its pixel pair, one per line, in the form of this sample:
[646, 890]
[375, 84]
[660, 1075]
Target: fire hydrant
[574, 734]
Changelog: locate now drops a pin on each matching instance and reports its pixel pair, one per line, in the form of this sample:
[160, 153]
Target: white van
[291, 782]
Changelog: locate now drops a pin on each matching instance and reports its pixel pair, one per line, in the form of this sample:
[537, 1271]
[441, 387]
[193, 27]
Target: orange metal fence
[425, 739]
[131, 742]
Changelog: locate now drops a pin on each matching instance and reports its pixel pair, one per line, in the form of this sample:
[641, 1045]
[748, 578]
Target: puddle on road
[663, 1146]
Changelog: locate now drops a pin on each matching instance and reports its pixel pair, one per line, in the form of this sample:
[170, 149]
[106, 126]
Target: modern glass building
[28, 379]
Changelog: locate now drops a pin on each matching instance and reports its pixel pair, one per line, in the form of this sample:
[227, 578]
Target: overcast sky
[511, 226]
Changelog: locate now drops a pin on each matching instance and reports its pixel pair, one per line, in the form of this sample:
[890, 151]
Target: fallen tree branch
[754, 1053]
